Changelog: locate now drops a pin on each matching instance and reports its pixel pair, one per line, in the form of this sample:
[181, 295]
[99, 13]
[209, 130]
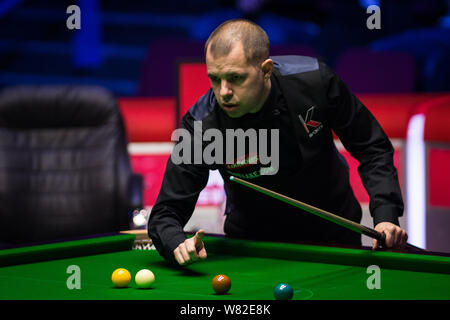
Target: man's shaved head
[253, 38]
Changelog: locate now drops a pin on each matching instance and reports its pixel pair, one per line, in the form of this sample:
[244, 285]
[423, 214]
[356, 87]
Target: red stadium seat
[149, 123]
[148, 119]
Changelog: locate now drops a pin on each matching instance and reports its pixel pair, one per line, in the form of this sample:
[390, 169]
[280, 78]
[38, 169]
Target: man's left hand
[396, 237]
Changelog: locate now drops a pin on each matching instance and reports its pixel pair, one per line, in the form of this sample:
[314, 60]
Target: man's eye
[236, 77]
[214, 79]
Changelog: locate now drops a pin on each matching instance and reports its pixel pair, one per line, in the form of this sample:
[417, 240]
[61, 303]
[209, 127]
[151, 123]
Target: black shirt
[321, 181]
[253, 215]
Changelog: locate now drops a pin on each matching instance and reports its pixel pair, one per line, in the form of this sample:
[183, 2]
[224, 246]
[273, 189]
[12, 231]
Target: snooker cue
[321, 213]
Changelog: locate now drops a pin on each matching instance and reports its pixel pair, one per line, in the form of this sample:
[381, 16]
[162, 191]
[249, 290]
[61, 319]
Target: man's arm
[181, 186]
[363, 137]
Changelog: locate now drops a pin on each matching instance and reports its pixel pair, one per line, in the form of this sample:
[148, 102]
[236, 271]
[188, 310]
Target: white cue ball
[144, 278]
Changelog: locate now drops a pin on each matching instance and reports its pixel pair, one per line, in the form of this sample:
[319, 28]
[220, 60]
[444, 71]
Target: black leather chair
[64, 167]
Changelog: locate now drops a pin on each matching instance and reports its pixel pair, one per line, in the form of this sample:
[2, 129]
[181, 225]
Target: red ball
[221, 284]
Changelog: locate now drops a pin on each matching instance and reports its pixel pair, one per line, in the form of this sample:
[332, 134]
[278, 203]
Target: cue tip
[232, 178]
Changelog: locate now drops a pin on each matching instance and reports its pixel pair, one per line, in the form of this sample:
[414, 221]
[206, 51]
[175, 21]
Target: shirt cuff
[385, 214]
[171, 245]
[175, 241]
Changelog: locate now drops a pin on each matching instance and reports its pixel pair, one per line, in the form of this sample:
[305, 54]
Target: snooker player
[305, 101]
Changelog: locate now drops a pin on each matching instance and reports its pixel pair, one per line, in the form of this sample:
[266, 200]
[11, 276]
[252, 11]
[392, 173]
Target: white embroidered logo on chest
[311, 126]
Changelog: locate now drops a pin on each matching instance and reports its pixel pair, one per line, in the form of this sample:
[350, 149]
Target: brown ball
[221, 284]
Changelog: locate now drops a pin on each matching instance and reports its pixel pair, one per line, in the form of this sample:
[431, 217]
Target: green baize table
[41, 272]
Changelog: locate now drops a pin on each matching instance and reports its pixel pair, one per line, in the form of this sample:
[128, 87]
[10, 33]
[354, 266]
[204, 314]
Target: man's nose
[225, 90]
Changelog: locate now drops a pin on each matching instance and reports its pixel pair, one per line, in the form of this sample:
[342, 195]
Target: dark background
[131, 47]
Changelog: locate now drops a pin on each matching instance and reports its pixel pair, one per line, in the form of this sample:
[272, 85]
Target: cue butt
[356, 227]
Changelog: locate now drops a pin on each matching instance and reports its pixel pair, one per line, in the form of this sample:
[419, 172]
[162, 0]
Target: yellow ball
[121, 277]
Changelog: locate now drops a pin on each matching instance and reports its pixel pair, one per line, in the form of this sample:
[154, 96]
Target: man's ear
[267, 67]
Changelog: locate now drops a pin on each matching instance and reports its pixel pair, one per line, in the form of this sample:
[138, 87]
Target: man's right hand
[191, 249]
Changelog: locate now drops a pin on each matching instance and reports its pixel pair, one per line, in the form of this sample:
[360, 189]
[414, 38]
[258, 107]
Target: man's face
[239, 86]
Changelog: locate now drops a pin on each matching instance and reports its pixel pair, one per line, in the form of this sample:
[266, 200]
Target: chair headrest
[35, 107]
